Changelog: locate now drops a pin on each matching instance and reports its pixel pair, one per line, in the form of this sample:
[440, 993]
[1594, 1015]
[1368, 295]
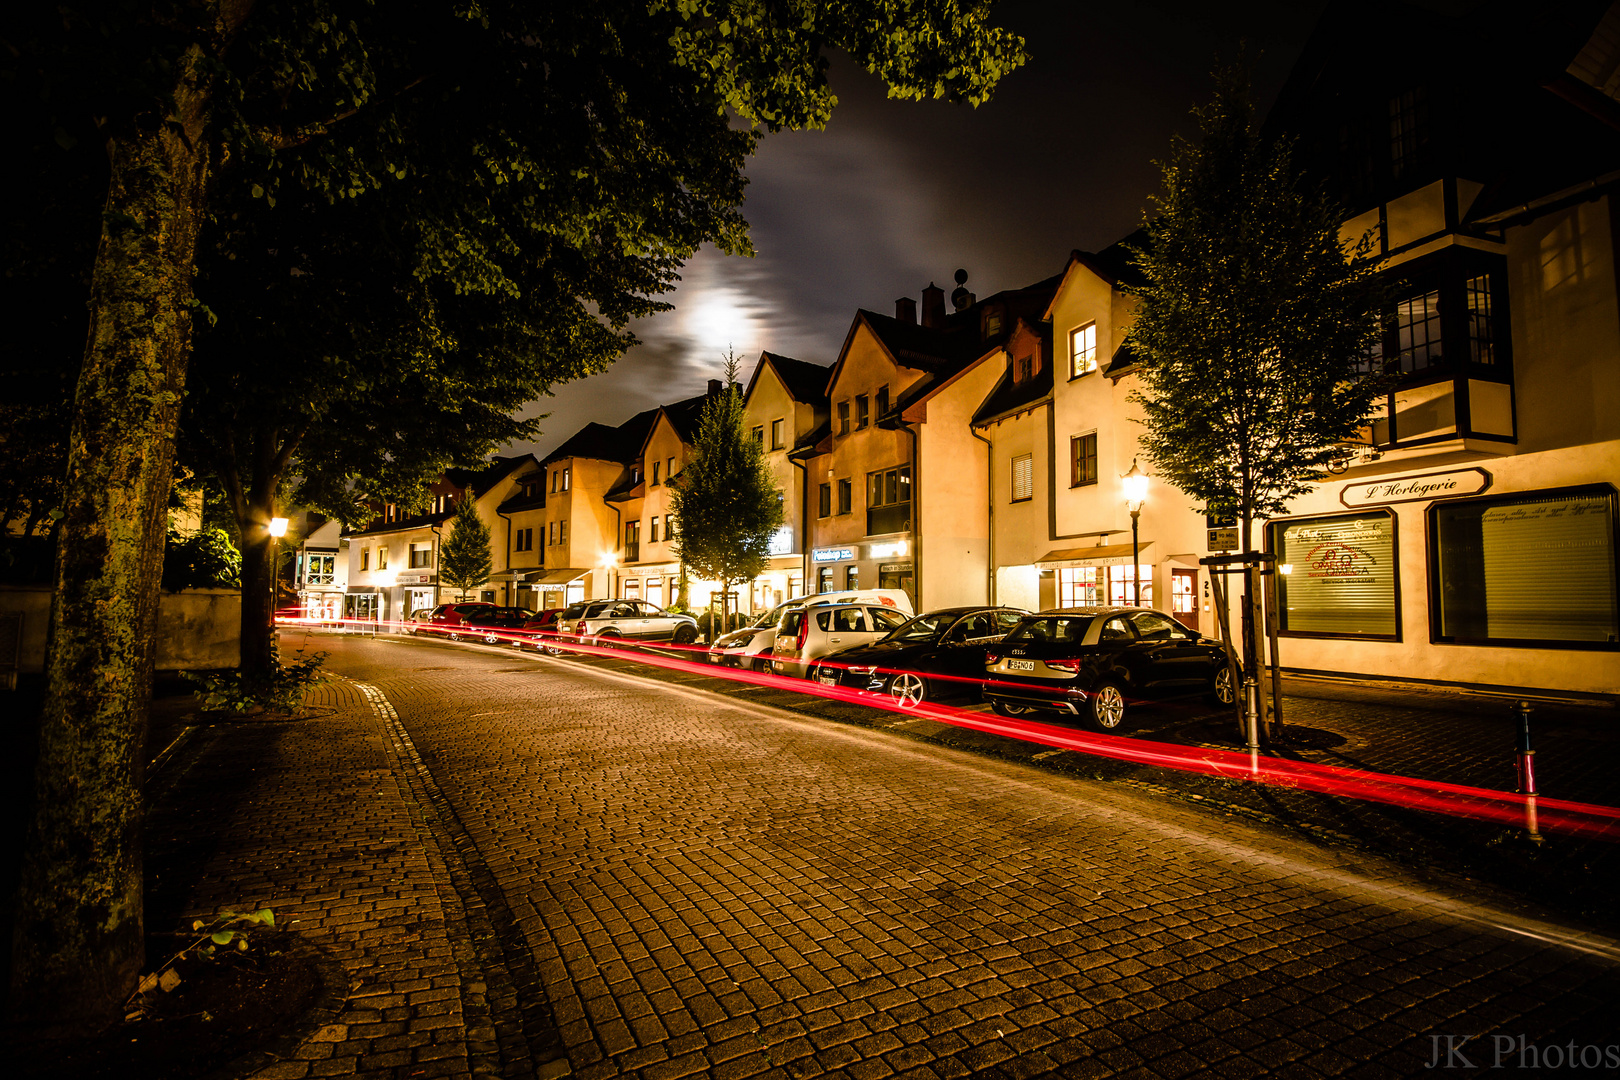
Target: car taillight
[1071, 666]
[991, 657]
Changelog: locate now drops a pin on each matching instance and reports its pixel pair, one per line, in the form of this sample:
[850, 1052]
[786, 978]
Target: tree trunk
[258, 597]
[78, 939]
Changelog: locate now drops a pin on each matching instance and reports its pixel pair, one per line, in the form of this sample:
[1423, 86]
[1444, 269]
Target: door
[1184, 597]
[1170, 657]
[962, 655]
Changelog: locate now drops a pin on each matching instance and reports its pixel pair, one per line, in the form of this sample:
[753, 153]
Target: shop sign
[1419, 488]
[414, 579]
[894, 568]
[832, 555]
[886, 551]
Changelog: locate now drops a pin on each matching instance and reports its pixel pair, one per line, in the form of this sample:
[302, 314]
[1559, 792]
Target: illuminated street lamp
[609, 560]
[277, 529]
[1135, 484]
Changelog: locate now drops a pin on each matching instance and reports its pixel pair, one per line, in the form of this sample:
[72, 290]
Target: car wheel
[492, 638]
[908, 689]
[454, 635]
[1003, 708]
[1220, 687]
[1105, 706]
[685, 635]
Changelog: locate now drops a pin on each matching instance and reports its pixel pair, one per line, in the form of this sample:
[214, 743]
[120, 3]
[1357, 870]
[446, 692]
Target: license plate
[829, 677]
[1020, 665]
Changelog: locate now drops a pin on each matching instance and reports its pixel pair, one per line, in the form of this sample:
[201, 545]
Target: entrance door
[1184, 597]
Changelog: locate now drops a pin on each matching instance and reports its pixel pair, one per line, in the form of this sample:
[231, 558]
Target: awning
[517, 575]
[1093, 555]
[563, 576]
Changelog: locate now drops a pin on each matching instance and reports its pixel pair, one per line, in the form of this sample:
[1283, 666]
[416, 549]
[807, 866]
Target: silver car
[633, 619]
[750, 647]
[807, 634]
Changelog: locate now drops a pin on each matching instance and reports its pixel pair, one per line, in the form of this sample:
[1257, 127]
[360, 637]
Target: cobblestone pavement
[533, 865]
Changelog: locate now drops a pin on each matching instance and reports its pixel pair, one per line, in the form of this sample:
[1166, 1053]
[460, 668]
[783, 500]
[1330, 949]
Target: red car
[451, 619]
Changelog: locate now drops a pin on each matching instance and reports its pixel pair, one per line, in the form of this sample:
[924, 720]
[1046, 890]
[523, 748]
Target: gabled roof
[479, 481]
[1113, 264]
[805, 382]
[599, 442]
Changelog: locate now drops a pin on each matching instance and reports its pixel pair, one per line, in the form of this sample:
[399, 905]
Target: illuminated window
[1082, 350]
[1341, 579]
[1023, 478]
[365, 558]
[652, 530]
[1078, 586]
[382, 558]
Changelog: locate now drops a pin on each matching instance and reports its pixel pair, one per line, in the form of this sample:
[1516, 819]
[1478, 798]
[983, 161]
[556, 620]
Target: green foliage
[465, 560]
[223, 930]
[282, 689]
[1254, 323]
[724, 498]
[205, 560]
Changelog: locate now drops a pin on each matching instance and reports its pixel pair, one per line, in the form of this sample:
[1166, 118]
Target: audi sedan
[939, 654]
[1095, 661]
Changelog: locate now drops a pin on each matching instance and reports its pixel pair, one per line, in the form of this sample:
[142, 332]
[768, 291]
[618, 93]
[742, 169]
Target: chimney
[714, 387]
[933, 309]
[905, 310]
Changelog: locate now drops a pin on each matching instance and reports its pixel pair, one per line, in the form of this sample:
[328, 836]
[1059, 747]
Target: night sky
[893, 195]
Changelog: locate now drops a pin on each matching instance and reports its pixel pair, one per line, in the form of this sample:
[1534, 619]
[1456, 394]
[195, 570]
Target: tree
[1256, 329]
[612, 118]
[465, 560]
[725, 499]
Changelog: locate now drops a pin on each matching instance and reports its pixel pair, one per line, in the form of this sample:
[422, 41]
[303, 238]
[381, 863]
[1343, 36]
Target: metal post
[1136, 558]
[1526, 768]
[1269, 576]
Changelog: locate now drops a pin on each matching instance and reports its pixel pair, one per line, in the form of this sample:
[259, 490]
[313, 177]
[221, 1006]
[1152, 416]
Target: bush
[207, 560]
[283, 689]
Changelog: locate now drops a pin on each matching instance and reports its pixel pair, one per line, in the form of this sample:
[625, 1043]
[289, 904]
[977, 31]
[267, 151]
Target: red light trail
[1589, 820]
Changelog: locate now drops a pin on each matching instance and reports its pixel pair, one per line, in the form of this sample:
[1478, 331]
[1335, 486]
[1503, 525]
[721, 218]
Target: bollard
[1526, 767]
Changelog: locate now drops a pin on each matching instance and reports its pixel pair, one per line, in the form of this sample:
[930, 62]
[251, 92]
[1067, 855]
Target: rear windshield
[1067, 629]
[791, 622]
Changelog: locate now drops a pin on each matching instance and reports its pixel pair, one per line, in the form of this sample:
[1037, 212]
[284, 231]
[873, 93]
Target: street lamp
[1135, 484]
[277, 529]
[608, 561]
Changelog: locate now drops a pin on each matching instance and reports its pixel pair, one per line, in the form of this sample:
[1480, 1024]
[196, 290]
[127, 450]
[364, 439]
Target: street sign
[1223, 540]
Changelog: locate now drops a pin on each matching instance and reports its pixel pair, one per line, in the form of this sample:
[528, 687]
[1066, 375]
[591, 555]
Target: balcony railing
[888, 519]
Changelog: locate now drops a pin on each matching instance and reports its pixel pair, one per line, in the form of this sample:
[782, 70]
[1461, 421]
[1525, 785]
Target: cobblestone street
[529, 866]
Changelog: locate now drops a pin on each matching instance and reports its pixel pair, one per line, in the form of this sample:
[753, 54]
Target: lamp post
[1135, 484]
[277, 529]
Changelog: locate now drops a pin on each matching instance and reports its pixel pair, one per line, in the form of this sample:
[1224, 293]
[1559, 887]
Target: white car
[750, 647]
[635, 619]
[809, 633]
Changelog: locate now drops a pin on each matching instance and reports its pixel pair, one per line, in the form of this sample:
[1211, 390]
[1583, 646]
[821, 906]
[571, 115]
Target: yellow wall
[951, 489]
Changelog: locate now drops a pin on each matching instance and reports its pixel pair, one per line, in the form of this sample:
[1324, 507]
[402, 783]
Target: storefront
[559, 588]
[1498, 576]
[417, 592]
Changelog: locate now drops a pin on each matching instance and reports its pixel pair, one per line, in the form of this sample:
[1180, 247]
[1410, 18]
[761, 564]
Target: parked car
[541, 625]
[1095, 661]
[750, 647]
[939, 654]
[451, 619]
[808, 633]
[413, 625]
[633, 619]
[502, 625]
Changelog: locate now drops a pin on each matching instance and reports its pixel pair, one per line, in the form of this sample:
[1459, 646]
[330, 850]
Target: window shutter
[1023, 477]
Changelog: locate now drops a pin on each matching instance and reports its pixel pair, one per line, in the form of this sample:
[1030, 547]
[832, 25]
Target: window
[1128, 590]
[565, 474]
[845, 496]
[321, 570]
[1533, 569]
[632, 541]
[365, 558]
[1024, 369]
[1082, 350]
[421, 555]
[562, 532]
[1481, 325]
[1417, 327]
[669, 527]
[776, 434]
[1408, 130]
[554, 474]
[825, 504]
[1083, 459]
[1023, 478]
[759, 435]
[1340, 579]
[382, 558]
[1078, 586]
[882, 400]
[669, 470]
[843, 418]
[824, 579]
[652, 530]
[888, 500]
[863, 411]
[852, 577]
[654, 480]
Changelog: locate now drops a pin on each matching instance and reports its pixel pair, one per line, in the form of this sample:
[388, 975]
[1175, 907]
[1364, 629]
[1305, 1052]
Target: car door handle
[835, 640]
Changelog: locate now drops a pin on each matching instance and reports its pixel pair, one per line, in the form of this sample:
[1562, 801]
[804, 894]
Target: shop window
[824, 579]
[1338, 575]
[852, 578]
[1083, 459]
[1082, 350]
[1534, 569]
[1023, 478]
[1078, 586]
[1128, 590]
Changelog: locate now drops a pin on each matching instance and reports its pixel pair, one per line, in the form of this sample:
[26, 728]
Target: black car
[496, 626]
[938, 654]
[1093, 661]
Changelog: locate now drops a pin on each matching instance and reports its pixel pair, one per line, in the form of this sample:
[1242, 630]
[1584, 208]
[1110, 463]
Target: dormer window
[1082, 350]
[1024, 369]
[992, 322]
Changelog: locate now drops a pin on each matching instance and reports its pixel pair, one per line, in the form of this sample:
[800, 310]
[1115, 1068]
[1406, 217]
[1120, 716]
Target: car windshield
[1069, 629]
[771, 617]
[922, 628]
